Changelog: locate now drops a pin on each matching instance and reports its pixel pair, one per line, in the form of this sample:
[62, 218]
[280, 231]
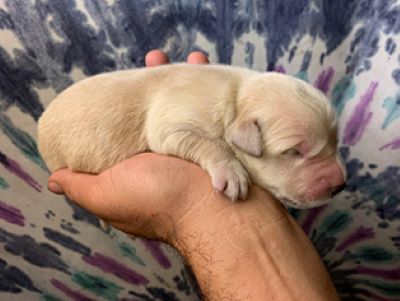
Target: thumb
[82, 188]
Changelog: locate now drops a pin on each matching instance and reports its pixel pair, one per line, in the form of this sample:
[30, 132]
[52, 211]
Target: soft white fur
[235, 123]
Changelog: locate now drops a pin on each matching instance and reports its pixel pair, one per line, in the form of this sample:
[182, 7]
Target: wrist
[221, 242]
[251, 250]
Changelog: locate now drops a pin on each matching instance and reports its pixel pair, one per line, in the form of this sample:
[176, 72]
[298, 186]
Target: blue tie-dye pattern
[13, 280]
[390, 46]
[17, 77]
[396, 76]
[59, 39]
[249, 55]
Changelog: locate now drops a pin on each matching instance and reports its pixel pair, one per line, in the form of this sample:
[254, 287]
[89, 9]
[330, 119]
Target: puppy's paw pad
[231, 179]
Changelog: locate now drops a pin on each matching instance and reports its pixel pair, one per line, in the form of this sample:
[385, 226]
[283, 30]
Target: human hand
[146, 195]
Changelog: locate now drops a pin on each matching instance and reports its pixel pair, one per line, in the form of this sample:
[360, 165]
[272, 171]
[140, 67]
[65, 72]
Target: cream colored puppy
[237, 124]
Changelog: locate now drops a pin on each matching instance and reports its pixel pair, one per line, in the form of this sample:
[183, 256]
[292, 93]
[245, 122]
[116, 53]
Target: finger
[84, 189]
[197, 57]
[155, 58]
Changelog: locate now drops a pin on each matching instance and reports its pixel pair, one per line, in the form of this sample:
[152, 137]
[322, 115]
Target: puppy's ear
[247, 136]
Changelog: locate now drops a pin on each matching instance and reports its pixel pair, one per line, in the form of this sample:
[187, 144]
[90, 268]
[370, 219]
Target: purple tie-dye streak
[360, 118]
[74, 295]
[392, 275]
[358, 235]
[112, 266]
[324, 79]
[280, 69]
[395, 144]
[13, 167]
[311, 218]
[11, 214]
[154, 247]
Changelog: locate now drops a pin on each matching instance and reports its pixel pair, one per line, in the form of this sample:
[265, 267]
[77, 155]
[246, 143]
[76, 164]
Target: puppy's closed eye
[293, 152]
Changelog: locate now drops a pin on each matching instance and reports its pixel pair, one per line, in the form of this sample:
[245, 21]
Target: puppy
[237, 124]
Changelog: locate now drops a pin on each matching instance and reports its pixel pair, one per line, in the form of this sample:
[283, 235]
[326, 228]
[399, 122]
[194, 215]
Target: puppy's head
[285, 133]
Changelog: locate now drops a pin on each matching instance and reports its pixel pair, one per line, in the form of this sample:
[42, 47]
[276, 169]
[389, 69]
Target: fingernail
[55, 188]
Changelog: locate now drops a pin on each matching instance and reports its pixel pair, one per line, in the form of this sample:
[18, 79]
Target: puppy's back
[96, 111]
[100, 121]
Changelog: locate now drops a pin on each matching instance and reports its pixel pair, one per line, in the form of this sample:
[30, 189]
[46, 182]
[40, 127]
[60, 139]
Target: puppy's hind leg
[212, 154]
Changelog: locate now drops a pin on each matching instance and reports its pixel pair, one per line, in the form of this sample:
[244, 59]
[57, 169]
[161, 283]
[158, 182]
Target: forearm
[253, 250]
[250, 250]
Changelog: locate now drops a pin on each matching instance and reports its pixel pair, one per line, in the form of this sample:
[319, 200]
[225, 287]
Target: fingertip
[80, 187]
[56, 179]
[155, 58]
[197, 58]
[54, 187]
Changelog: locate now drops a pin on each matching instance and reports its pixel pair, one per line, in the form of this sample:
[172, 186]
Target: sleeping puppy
[237, 124]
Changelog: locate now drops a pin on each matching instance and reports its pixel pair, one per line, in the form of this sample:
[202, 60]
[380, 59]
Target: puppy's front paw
[230, 178]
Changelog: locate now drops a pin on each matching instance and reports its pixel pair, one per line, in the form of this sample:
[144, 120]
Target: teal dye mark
[335, 223]
[375, 255]
[131, 253]
[47, 297]
[302, 75]
[392, 105]
[97, 285]
[22, 140]
[3, 184]
[386, 288]
[344, 90]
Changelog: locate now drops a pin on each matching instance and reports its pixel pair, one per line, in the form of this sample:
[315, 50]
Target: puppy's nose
[338, 189]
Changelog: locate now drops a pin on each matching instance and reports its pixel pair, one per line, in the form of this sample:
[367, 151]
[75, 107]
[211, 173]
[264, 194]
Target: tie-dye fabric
[50, 249]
